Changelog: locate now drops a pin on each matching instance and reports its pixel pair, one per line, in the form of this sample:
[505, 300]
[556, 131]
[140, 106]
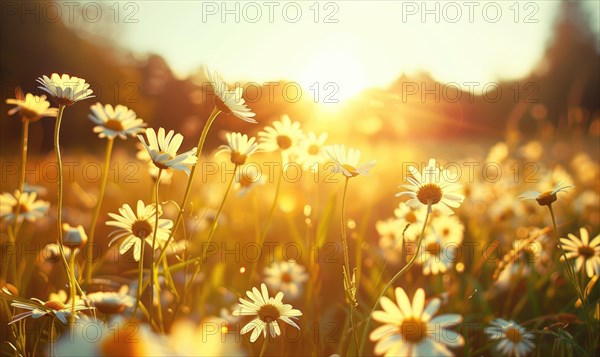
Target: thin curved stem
[140, 279]
[264, 347]
[265, 230]
[188, 188]
[215, 222]
[153, 274]
[393, 280]
[90, 245]
[72, 288]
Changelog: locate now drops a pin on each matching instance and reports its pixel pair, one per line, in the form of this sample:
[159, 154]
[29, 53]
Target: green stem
[264, 347]
[154, 275]
[391, 282]
[349, 274]
[90, 244]
[140, 279]
[265, 230]
[215, 222]
[72, 287]
[188, 188]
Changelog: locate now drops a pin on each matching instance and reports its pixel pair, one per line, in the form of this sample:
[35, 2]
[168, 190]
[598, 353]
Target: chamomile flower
[111, 302]
[30, 209]
[585, 252]
[65, 90]
[239, 147]
[247, 177]
[411, 220]
[311, 150]
[118, 121]
[37, 308]
[441, 245]
[283, 136]
[412, 330]
[133, 228]
[513, 340]
[74, 237]
[165, 177]
[163, 150]
[430, 188]
[229, 101]
[287, 276]
[347, 163]
[31, 107]
[545, 198]
[268, 312]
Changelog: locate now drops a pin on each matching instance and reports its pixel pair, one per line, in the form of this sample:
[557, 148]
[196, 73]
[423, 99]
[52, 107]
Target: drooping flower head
[229, 101]
[348, 163]
[65, 90]
[31, 107]
[412, 330]
[118, 121]
[239, 146]
[545, 198]
[513, 340]
[163, 150]
[431, 188]
[268, 312]
[134, 228]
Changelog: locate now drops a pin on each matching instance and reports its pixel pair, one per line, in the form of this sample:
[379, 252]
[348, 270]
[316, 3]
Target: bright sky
[356, 44]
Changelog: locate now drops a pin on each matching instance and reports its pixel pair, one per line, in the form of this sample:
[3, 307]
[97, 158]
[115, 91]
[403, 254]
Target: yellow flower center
[54, 305]
[429, 194]
[284, 142]
[413, 330]
[238, 158]
[513, 335]
[286, 277]
[141, 229]
[546, 198]
[24, 208]
[159, 164]
[586, 251]
[350, 169]
[114, 124]
[410, 217]
[268, 313]
[313, 149]
[246, 181]
[433, 248]
[445, 232]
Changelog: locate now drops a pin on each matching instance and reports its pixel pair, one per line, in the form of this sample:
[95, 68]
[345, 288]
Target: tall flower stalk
[97, 208]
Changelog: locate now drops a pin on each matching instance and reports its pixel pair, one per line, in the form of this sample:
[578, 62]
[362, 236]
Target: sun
[333, 76]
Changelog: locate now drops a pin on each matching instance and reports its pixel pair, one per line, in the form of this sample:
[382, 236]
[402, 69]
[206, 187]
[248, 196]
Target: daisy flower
[118, 121]
[31, 209]
[37, 308]
[31, 107]
[111, 302]
[65, 90]
[268, 311]
[247, 177]
[163, 150]
[439, 248]
[585, 252]
[390, 238]
[410, 220]
[135, 227]
[430, 187]
[545, 198]
[229, 101]
[283, 136]
[411, 330]
[165, 177]
[239, 146]
[513, 339]
[347, 163]
[311, 150]
[288, 277]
